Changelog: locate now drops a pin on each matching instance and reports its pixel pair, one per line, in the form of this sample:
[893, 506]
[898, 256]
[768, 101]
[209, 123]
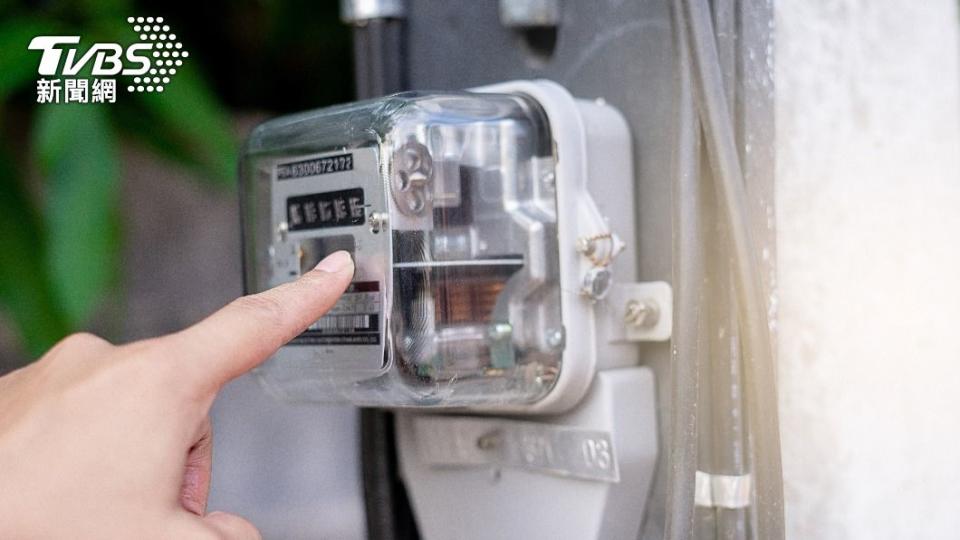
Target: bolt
[282, 230]
[597, 282]
[555, 338]
[642, 313]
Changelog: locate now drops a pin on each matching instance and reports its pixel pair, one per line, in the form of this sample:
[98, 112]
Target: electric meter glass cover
[447, 203]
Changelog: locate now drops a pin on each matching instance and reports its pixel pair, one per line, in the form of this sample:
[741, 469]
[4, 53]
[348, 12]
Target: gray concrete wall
[868, 191]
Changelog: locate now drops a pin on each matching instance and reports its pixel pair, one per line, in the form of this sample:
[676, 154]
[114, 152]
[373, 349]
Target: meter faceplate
[320, 204]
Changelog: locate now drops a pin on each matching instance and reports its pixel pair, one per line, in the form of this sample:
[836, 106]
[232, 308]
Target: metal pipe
[379, 57]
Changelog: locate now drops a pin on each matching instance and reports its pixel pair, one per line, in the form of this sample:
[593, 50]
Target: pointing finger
[247, 331]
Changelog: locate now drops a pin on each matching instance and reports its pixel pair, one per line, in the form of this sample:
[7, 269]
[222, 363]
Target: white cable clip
[722, 491]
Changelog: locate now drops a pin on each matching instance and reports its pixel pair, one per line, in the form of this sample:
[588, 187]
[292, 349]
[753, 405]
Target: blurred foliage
[275, 55]
[60, 187]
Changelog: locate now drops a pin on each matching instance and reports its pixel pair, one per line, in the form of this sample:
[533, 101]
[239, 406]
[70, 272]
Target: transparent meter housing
[447, 203]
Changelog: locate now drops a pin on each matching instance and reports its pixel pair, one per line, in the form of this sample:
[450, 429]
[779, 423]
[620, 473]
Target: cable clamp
[723, 491]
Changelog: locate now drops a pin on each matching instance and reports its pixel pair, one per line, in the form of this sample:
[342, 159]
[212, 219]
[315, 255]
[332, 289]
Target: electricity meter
[479, 254]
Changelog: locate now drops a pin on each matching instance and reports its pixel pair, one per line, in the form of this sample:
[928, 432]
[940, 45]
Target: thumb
[231, 527]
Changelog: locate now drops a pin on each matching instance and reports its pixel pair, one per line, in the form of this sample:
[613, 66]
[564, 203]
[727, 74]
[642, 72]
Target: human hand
[103, 441]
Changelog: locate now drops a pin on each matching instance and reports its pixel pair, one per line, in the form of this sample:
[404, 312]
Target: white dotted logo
[147, 65]
[167, 55]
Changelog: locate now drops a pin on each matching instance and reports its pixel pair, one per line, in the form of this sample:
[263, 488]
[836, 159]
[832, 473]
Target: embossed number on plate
[445, 441]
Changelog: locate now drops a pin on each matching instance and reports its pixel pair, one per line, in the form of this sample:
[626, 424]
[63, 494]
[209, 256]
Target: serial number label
[321, 210]
[316, 166]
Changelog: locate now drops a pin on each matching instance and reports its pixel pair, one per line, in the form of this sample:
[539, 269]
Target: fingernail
[335, 262]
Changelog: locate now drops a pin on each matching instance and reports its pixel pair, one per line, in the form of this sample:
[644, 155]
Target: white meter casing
[480, 255]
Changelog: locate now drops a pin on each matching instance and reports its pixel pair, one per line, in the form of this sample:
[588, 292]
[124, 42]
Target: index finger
[247, 331]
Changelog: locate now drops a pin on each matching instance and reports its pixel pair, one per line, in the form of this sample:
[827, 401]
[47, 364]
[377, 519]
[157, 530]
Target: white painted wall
[868, 202]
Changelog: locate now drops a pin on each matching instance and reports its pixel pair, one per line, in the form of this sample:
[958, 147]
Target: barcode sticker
[342, 322]
[354, 320]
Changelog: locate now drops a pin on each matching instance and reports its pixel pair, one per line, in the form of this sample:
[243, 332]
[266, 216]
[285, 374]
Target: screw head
[555, 338]
[377, 221]
[642, 313]
[597, 283]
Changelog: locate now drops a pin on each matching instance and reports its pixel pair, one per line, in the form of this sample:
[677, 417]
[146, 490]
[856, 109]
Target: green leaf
[18, 64]
[77, 152]
[189, 122]
[25, 291]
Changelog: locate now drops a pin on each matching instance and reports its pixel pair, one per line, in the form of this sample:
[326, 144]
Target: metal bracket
[722, 491]
[639, 311]
[360, 11]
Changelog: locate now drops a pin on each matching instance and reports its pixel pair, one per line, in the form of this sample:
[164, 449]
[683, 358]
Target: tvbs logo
[151, 62]
[107, 57]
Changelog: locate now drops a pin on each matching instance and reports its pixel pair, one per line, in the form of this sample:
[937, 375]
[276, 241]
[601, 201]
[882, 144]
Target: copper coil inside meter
[465, 296]
[455, 317]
